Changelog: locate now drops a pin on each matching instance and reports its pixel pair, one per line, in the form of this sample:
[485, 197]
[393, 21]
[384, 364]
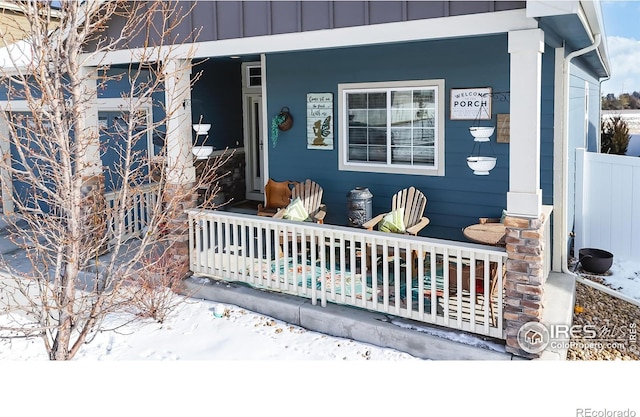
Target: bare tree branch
[97, 238]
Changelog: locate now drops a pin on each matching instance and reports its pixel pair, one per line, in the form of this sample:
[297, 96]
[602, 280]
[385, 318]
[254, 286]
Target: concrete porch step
[340, 321]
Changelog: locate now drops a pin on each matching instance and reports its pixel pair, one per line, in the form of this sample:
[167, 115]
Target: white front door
[253, 143]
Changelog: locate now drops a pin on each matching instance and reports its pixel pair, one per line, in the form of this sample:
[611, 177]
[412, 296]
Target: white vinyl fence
[427, 280]
[608, 203]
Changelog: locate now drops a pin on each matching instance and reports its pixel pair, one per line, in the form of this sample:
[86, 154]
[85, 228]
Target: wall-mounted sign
[320, 121]
[502, 130]
[470, 103]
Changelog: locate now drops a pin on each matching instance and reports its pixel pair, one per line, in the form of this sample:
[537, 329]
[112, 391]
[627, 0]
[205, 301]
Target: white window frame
[343, 149]
[246, 78]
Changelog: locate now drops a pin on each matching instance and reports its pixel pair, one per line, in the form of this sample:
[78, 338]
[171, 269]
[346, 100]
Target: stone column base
[178, 198]
[524, 283]
[93, 212]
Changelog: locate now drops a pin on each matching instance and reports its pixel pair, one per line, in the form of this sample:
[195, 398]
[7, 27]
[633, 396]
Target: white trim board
[414, 30]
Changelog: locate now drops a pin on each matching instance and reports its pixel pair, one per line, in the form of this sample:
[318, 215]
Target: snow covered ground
[245, 363]
[625, 277]
[194, 333]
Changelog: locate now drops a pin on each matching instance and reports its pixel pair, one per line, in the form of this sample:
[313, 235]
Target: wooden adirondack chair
[413, 203]
[310, 194]
[277, 196]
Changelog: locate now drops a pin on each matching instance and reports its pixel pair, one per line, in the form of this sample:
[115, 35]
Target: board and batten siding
[219, 20]
[456, 199]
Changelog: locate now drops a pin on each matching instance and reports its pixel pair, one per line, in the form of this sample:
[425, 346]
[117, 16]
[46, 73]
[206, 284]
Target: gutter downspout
[599, 141]
[565, 170]
[565, 160]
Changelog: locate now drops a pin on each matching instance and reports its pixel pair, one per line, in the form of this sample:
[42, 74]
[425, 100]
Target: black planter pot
[596, 261]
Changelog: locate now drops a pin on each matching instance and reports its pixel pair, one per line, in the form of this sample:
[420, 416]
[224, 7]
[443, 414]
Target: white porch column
[181, 175]
[525, 197]
[180, 169]
[5, 176]
[91, 158]
[93, 205]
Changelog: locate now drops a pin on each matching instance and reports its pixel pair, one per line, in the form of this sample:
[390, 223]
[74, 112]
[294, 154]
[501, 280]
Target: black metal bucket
[596, 261]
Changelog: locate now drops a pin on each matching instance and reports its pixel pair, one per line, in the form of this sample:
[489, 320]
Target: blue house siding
[588, 134]
[546, 125]
[454, 200]
[581, 133]
[120, 86]
[216, 96]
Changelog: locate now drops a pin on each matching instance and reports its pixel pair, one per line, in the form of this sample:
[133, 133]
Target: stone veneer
[525, 278]
[93, 211]
[230, 177]
[178, 227]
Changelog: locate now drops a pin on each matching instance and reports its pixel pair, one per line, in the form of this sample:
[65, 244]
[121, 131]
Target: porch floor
[244, 207]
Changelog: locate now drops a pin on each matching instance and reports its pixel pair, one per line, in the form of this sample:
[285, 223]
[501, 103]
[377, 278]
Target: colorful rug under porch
[287, 274]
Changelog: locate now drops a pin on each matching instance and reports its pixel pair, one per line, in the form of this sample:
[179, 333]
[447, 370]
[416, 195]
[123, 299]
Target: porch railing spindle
[319, 242]
[472, 289]
[459, 289]
[420, 282]
[343, 269]
[314, 282]
[252, 254]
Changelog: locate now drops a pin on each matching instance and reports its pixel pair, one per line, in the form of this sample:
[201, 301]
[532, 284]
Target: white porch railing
[139, 208]
[368, 269]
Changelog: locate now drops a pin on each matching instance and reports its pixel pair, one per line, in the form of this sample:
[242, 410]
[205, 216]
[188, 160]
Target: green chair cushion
[393, 222]
[296, 211]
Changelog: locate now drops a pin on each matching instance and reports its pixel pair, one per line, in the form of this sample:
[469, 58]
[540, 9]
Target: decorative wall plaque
[504, 122]
[470, 104]
[320, 121]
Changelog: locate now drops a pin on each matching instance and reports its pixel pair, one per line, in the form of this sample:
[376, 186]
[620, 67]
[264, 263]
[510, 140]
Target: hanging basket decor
[481, 164]
[280, 122]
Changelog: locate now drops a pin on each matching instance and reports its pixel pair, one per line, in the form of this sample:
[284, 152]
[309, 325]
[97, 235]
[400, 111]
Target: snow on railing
[422, 279]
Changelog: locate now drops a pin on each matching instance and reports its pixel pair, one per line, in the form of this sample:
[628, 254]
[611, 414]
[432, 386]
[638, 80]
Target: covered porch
[442, 281]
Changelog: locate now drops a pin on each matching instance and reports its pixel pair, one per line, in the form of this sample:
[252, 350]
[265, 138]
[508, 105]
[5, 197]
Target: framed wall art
[320, 121]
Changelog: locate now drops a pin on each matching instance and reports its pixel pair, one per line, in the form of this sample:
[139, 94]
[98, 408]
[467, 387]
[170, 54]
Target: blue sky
[622, 27]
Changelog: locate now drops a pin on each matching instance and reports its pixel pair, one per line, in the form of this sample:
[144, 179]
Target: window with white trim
[394, 127]
[253, 76]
